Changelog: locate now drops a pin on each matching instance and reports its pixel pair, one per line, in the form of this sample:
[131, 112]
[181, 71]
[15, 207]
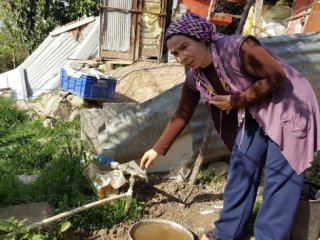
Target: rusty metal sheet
[117, 26]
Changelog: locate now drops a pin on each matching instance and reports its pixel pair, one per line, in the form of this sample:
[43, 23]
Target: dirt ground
[166, 199]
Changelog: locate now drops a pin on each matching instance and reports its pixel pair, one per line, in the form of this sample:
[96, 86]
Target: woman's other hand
[148, 158]
[222, 102]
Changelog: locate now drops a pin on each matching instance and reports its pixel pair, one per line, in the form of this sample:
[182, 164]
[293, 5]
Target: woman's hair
[193, 26]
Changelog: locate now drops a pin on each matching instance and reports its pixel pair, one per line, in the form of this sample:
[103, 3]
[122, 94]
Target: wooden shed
[132, 30]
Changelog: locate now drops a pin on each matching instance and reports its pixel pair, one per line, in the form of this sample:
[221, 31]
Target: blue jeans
[282, 188]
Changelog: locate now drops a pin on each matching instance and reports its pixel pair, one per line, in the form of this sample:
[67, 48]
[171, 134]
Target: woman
[263, 109]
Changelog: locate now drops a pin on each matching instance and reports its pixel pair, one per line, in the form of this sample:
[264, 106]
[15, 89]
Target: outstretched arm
[181, 117]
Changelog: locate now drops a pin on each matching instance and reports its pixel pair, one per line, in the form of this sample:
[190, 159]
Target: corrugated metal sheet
[85, 30]
[44, 64]
[18, 84]
[41, 69]
[301, 51]
[117, 26]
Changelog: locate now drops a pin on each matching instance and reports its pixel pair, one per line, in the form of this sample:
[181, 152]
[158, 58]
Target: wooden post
[202, 151]
[211, 6]
[312, 24]
[101, 30]
[257, 18]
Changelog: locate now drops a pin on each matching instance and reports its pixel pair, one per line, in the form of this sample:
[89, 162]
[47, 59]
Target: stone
[29, 213]
[27, 178]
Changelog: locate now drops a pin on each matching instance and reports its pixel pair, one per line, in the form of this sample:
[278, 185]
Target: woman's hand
[148, 158]
[222, 101]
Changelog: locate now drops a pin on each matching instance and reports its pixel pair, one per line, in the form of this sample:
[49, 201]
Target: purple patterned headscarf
[195, 26]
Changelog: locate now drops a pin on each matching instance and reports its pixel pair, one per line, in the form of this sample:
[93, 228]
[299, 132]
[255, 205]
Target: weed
[10, 116]
[313, 173]
[210, 176]
[12, 190]
[105, 216]
[56, 157]
[249, 228]
[11, 229]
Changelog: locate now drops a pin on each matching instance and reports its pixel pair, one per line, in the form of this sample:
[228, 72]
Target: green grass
[208, 176]
[27, 148]
[250, 225]
[10, 116]
[313, 173]
[56, 156]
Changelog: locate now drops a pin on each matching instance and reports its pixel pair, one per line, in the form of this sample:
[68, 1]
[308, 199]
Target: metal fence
[233, 9]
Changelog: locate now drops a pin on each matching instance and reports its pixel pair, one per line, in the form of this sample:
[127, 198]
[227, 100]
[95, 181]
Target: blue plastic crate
[88, 87]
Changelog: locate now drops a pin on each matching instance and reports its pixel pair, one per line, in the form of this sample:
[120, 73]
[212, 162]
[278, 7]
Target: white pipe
[127, 195]
[130, 192]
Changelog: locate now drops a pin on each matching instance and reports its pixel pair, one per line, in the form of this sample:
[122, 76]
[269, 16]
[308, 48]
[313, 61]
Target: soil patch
[166, 199]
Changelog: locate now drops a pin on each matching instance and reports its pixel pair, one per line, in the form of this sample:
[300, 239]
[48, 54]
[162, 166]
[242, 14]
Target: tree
[12, 51]
[34, 19]
[31, 21]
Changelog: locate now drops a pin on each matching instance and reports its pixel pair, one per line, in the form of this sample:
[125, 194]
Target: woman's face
[189, 52]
